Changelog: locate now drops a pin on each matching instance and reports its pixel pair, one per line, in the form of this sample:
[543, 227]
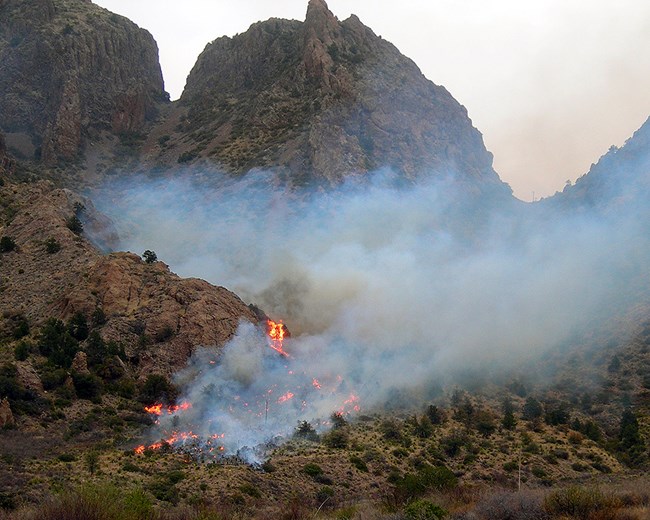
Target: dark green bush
[78, 326]
[87, 386]
[52, 246]
[7, 244]
[56, 343]
[338, 439]
[358, 463]
[149, 257]
[424, 510]
[312, 469]
[75, 225]
[22, 351]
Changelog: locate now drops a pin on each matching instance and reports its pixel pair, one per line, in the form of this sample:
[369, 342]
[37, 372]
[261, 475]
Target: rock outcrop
[6, 415]
[70, 70]
[54, 272]
[320, 100]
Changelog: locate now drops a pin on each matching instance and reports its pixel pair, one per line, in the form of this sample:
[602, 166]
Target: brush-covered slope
[53, 271]
[68, 70]
[320, 100]
[618, 181]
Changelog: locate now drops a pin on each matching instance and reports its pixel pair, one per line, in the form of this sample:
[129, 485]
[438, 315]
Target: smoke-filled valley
[391, 290]
[301, 290]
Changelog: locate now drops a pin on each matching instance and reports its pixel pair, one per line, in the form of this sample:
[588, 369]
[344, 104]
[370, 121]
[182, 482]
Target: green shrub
[22, 351]
[7, 244]
[78, 326]
[67, 457]
[87, 386]
[52, 246]
[176, 476]
[306, 431]
[75, 225]
[56, 343]
[21, 329]
[324, 494]
[10, 385]
[336, 439]
[358, 463]
[413, 485]
[149, 257]
[250, 490]
[312, 469]
[424, 510]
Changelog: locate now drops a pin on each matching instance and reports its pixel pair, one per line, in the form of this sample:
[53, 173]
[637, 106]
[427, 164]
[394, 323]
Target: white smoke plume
[390, 291]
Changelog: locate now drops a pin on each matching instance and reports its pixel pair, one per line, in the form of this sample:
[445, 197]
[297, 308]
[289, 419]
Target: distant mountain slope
[319, 100]
[69, 69]
[619, 179]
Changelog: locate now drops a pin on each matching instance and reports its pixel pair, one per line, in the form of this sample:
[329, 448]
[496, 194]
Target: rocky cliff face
[70, 69]
[321, 100]
[139, 300]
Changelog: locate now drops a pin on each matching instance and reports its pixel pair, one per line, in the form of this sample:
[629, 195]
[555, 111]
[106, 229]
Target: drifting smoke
[390, 291]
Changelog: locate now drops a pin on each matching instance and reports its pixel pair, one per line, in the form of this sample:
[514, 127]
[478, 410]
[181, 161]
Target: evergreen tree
[509, 421]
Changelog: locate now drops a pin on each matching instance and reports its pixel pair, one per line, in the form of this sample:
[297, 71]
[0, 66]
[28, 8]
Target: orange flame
[277, 332]
[155, 409]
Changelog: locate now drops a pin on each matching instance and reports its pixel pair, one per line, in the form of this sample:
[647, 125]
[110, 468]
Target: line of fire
[212, 448]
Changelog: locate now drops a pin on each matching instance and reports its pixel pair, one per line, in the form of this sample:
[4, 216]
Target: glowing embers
[277, 332]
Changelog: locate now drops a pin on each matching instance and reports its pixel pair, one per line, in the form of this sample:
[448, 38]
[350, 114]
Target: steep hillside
[69, 70]
[319, 101]
[52, 271]
[620, 179]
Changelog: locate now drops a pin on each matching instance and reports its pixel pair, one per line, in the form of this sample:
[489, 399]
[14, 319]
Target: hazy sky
[551, 84]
